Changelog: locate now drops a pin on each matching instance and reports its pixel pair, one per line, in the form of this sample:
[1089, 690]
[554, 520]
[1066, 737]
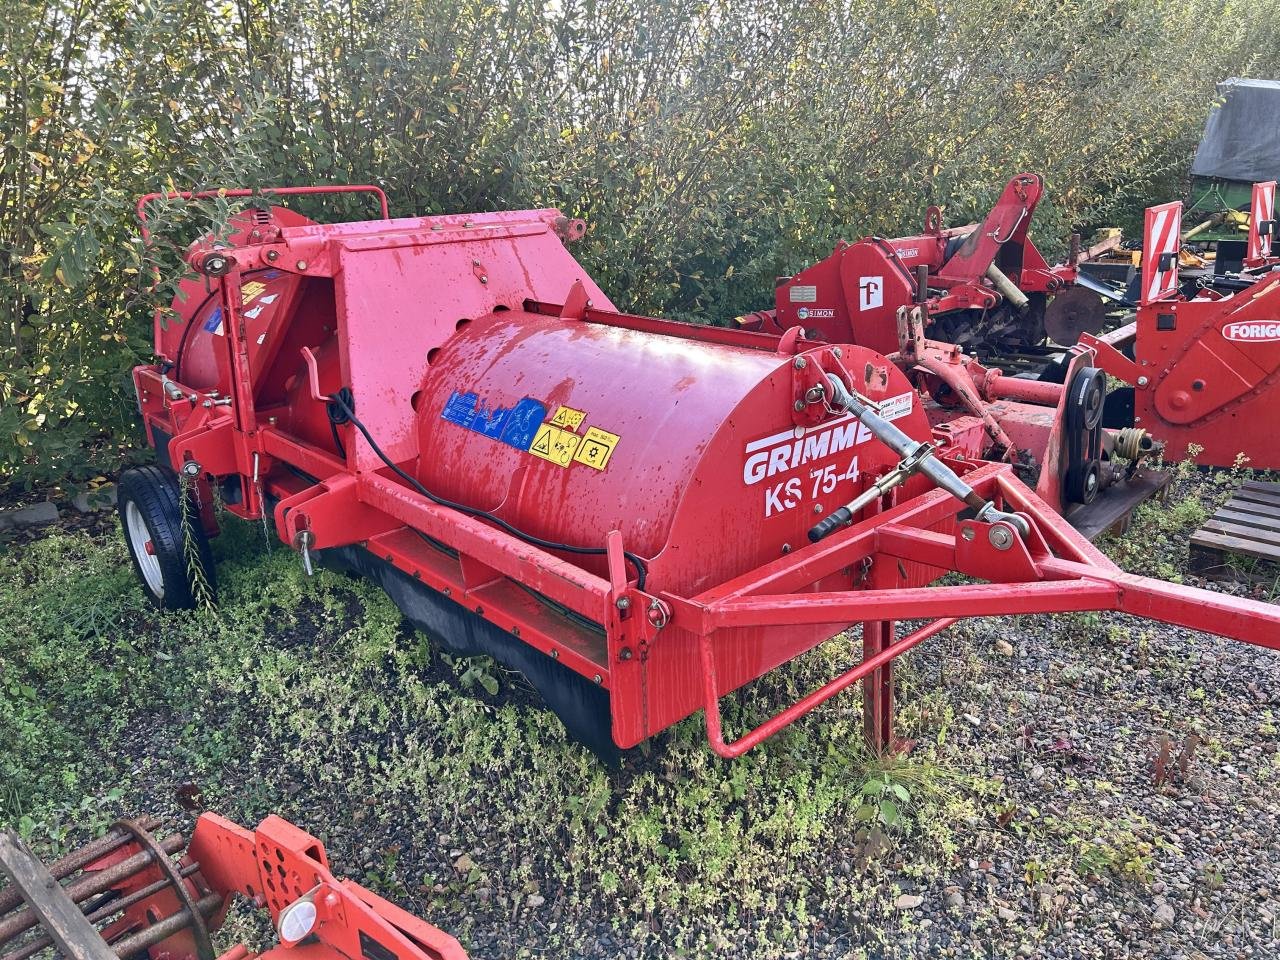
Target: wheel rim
[139, 542]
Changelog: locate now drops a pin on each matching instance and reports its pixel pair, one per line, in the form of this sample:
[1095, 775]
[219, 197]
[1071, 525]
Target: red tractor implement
[133, 894]
[984, 287]
[928, 301]
[639, 515]
[1202, 357]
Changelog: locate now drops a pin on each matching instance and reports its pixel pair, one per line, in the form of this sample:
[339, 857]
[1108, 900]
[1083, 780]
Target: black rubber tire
[155, 491]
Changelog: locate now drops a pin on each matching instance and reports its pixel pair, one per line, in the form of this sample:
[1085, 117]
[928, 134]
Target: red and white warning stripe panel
[1261, 218]
[1161, 240]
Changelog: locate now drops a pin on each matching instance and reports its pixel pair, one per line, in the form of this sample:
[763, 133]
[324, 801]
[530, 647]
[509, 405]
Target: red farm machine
[639, 515]
[935, 303]
[1202, 354]
[134, 894]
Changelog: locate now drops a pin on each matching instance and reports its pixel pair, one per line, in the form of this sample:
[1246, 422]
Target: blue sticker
[460, 408]
[214, 323]
[523, 423]
[271, 274]
[516, 427]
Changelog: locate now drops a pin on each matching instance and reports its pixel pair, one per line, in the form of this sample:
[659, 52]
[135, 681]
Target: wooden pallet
[1248, 525]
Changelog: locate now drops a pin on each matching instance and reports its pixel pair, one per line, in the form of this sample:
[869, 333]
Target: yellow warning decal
[250, 290]
[596, 448]
[552, 443]
[569, 418]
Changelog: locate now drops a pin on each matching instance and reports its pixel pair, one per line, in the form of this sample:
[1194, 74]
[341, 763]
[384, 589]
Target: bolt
[598, 679]
[515, 631]
[786, 548]
[967, 533]
[801, 363]
[301, 264]
[273, 255]
[624, 653]
[1143, 381]
[817, 508]
[837, 352]
[590, 305]
[799, 405]
[448, 592]
[475, 263]
[272, 421]
[1001, 538]
[555, 654]
[207, 404]
[623, 603]
[484, 278]
[191, 468]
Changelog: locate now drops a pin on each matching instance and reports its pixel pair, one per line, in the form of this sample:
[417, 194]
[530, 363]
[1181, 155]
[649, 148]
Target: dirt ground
[1032, 818]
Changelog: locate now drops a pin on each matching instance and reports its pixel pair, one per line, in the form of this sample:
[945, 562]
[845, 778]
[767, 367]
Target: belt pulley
[1086, 398]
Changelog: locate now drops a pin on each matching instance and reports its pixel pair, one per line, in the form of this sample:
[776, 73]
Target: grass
[307, 697]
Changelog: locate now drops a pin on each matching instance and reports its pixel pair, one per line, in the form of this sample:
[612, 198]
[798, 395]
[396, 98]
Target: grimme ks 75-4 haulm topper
[639, 515]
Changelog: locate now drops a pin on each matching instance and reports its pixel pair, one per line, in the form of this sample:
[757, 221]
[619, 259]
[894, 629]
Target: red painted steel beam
[1237, 618]
[967, 600]
[730, 750]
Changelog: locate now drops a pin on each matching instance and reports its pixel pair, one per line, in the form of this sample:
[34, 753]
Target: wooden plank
[75, 936]
[1112, 510]
[1250, 508]
[1259, 497]
[1241, 532]
[1262, 486]
[1259, 520]
[1220, 541]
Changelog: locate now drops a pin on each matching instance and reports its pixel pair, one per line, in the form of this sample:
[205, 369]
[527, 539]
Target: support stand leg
[877, 688]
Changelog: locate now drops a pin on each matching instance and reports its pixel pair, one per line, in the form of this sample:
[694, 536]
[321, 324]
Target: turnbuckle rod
[917, 457]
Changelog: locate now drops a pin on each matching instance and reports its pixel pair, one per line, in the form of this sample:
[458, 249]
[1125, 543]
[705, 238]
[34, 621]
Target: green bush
[711, 145]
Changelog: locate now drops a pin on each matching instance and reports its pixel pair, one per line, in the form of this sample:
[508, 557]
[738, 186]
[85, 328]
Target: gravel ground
[1082, 786]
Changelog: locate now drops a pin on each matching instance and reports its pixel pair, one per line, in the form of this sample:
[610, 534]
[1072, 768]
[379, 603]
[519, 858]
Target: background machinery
[1202, 360]
[639, 515]
[134, 894]
[984, 287]
[937, 303]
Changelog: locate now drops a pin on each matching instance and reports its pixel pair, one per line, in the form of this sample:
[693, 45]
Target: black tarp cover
[1242, 135]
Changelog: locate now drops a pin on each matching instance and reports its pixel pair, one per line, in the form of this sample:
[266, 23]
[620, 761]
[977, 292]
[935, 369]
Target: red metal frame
[274, 866]
[722, 605]
[855, 294]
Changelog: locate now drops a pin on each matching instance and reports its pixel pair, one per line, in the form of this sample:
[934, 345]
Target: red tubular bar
[1032, 391]
[736, 748]
[909, 603]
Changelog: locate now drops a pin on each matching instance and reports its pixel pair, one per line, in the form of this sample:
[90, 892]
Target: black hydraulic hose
[634, 560]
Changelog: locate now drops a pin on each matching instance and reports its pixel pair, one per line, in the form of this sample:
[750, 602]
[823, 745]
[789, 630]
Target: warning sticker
[552, 443]
[597, 447]
[250, 290]
[569, 418]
